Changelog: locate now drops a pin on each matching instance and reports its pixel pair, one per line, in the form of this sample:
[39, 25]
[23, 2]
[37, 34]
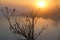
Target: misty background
[51, 17]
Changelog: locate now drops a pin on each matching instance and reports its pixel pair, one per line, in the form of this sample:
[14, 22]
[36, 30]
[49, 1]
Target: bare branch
[22, 27]
[37, 35]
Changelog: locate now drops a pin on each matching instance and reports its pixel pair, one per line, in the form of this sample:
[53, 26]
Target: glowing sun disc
[41, 4]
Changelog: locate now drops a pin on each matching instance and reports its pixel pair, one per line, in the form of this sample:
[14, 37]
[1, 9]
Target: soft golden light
[41, 4]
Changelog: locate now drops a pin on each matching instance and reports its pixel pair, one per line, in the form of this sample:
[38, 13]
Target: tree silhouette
[24, 27]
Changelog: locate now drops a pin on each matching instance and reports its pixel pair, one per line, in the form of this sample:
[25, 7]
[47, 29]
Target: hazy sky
[26, 2]
[23, 6]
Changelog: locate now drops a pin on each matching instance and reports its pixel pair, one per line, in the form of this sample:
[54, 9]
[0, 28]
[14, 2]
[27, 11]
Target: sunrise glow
[41, 4]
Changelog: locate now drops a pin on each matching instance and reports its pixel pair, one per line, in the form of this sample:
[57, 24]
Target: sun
[41, 4]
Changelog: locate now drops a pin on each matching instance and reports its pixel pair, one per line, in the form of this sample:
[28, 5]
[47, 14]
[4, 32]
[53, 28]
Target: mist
[52, 17]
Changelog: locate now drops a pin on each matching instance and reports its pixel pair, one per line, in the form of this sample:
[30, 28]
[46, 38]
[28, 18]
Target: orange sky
[25, 2]
[51, 3]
